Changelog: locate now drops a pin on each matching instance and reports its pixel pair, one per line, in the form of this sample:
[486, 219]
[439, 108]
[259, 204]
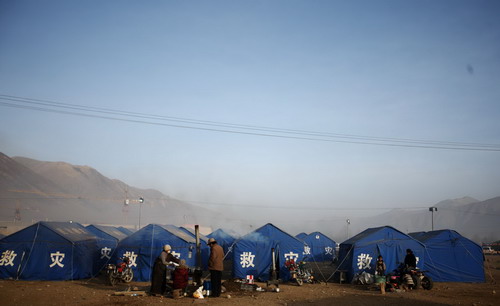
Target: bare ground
[97, 292]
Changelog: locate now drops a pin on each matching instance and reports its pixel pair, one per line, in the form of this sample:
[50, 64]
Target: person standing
[159, 276]
[215, 266]
[380, 273]
[410, 260]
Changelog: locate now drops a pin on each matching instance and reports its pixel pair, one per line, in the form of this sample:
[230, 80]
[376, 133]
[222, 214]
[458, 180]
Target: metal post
[198, 268]
[348, 222]
[432, 210]
[432, 223]
[140, 209]
[198, 245]
[141, 200]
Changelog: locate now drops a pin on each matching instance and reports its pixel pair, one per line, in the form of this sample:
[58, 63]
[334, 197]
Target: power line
[318, 208]
[52, 196]
[469, 212]
[55, 196]
[299, 208]
[230, 125]
[141, 118]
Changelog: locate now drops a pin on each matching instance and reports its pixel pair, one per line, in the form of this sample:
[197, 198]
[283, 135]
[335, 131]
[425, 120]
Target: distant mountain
[477, 220]
[60, 191]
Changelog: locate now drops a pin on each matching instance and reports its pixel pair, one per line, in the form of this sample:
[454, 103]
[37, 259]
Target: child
[380, 271]
[181, 276]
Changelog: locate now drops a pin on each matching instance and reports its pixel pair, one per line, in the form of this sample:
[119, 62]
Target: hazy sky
[417, 70]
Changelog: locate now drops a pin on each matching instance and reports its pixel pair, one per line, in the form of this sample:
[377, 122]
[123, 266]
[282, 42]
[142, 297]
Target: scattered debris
[131, 292]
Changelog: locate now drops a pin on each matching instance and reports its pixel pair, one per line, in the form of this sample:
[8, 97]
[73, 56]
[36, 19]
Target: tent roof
[301, 235]
[153, 230]
[174, 230]
[416, 235]
[381, 233]
[222, 237]
[424, 236]
[220, 233]
[268, 229]
[125, 230]
[191, 232]
[314, 234]
[445, 234]
[109, 230]
[74, 232]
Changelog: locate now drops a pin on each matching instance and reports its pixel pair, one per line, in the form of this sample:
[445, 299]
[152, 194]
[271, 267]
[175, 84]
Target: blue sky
[396, 69]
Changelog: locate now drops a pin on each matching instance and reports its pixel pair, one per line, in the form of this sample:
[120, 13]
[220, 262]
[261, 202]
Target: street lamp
[432, 210]
[348, 222]
[141, 200]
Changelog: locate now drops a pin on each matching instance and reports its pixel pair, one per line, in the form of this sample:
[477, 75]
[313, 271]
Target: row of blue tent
[66, 251]
[62, 251]
[59, 251]
[446, 255]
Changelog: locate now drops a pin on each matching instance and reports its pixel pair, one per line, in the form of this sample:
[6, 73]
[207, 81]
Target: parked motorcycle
[120, 272]
[421, 280]
[298, 272]
[412, 279]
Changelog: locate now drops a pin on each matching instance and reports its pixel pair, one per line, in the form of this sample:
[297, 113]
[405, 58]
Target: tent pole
[198, 255]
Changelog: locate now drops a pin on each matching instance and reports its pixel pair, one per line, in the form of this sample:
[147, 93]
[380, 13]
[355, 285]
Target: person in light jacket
[159, 276]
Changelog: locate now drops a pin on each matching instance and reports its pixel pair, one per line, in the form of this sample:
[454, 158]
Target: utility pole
[348, 222]
[432, 210]
[140, 201]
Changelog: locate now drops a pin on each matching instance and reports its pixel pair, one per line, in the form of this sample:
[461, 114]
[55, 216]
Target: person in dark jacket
[215, 266]
[181, 276]
[159, 276]
[410, 260]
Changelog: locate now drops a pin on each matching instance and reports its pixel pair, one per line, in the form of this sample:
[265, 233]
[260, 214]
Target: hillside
[477, 220]
[61, 191]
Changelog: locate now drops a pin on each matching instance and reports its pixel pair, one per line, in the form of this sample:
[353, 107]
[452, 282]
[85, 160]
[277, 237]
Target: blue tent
[416, 234]
[205, 249]
[224, 239]
[107, 240]
[320, 247]
[106, 232]
[193, 234]
[252, 252]
[360, 252]
[450, 257]
[145, 245]
[125, 230]
[48, 251]
[301, 236]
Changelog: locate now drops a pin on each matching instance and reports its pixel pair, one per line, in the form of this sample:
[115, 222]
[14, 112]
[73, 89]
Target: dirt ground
[97, 292]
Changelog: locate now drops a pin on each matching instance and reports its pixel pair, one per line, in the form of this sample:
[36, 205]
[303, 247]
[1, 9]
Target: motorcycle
[420, 279]
[120, 272]
[412, 279]
[298, 272]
